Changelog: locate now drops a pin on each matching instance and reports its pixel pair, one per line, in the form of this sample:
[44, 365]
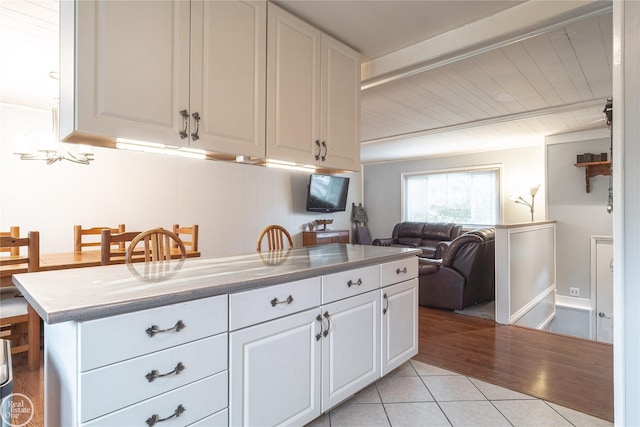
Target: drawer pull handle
[387, 303]
[195, 135]
[185, 122]
[350, 283]
[156, 418]
[319, 319]
[155, 374]
[275, 301]
[404, 270]
[155, 329]
[328, 317]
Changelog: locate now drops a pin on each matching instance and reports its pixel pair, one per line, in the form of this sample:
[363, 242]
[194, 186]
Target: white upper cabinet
[228, 76]
[177, 73]
[313, 95]
[124, 69]
[194, 74]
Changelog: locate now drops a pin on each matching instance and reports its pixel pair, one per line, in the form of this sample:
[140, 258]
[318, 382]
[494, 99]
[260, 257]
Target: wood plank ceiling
[509, 97]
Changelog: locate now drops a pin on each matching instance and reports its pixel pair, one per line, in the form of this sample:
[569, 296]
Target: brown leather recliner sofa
[464, 276]
[423, 235]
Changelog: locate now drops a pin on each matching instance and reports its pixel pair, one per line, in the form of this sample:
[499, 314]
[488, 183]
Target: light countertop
[88, 293]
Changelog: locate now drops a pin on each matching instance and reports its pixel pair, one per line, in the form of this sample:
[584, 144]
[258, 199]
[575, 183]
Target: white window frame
[496, 167]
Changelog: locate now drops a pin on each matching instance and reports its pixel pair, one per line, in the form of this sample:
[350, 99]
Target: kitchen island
[253, 339]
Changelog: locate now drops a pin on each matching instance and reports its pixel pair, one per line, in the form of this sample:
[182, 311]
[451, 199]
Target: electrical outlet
[574, 292]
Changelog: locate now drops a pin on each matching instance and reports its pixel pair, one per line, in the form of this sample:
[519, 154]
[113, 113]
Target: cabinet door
[275, 372]
[399, 324]
[340, 117]
[128, 74]
[351, 348]
[228, 76]
[293, 88]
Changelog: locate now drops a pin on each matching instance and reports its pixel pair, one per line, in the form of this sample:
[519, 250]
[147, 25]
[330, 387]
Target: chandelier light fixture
[52, 150]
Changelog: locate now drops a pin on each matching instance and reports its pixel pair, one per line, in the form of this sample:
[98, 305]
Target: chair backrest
[188, 235]
[472, 254]
[79, 233]
[32, 242]
[14, 231]
[276, 236]
[158, 245]
[109, 239]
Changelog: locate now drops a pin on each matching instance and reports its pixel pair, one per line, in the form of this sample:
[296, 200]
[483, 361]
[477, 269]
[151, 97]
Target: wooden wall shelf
[594, 169]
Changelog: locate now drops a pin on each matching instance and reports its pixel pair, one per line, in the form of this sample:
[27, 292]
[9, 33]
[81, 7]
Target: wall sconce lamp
[533, 191]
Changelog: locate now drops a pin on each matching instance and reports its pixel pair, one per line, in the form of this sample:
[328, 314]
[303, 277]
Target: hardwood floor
[569, 371]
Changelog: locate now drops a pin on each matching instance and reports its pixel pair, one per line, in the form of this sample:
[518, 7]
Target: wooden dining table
[67, 260]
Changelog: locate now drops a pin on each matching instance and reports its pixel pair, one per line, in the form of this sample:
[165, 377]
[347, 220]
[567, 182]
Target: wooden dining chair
[276, 237]
[93, 236]
[158, 245]
[19, 322]
[189, 236]
[14, 231]
[113, 244]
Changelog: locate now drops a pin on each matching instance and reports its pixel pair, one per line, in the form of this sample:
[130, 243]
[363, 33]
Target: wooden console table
[324, 237]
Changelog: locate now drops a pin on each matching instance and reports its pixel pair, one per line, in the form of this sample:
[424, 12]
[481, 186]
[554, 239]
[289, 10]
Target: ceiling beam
[492, 121]
[517, 23]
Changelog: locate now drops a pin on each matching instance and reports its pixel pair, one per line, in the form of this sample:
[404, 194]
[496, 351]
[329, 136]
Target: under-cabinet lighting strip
[152, 147]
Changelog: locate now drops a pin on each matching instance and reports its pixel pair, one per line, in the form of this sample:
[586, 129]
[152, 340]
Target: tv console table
[324, 237]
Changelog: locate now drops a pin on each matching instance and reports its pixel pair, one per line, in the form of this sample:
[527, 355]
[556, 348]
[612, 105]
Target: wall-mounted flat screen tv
[327, 193]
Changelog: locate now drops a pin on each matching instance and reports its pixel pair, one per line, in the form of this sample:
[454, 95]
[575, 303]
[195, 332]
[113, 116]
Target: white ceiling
[440, 76]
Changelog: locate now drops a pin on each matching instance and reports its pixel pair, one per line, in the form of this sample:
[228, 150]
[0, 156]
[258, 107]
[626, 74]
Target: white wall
[230, 202]
[521, 168]
[578, 214]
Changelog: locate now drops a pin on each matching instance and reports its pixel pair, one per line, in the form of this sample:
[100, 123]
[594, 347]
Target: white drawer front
[112, 387]
[259, 305]
[199, 399]
[398, 271]
[113, 339]
[219, 419]
[349, 283]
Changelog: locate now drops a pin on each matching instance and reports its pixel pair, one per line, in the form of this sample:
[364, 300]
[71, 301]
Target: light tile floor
[417, 394]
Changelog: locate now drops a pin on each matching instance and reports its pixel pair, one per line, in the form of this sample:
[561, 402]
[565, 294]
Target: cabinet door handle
[351, 283]
[319, 149]
[156, 418]
[195, 135]
[185, 124]
[319, 319]
[155, 374]
[155, 329]
[387, 303]
[404, 270]
[324, 145]
[328, 317]
[276, 301]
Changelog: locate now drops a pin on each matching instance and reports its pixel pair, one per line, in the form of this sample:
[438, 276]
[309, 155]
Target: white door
[340, 117]
[350, 347]
[399, 324]
[604, 289]
[293, 88]
[131, 69]
[228, 76]
[275, 372]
